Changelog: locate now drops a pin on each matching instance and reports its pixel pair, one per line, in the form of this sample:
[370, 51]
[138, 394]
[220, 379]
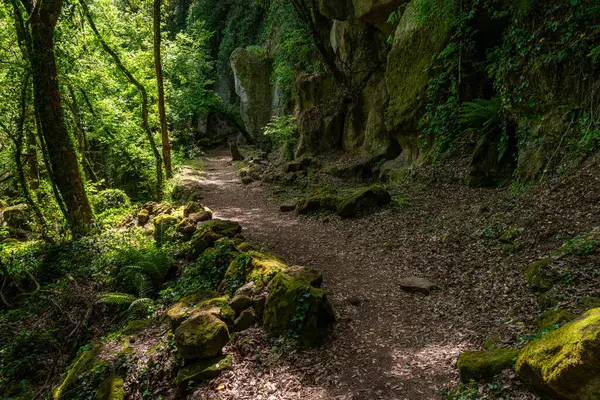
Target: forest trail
[387, 344]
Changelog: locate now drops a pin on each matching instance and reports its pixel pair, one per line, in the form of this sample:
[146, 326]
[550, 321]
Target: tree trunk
[81, 136]
[166, 145]
[143, 93]
[32, 160]
[61, 152]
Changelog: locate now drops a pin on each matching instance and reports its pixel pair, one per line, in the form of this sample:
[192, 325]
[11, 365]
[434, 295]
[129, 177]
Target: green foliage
[110, 199]
[531, 336]
[482, 114]
[206, 272]
[238, 278]
[283, 132]
[583, 245]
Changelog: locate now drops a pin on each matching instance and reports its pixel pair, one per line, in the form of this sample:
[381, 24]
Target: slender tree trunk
[62, 156]
[143, 93]
[80, 134]
[166, 145]
[32, 160]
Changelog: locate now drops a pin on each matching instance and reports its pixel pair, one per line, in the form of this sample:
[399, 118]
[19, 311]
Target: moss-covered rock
[565, 362]
[143, 216]
[222, 228]
[184, 308]
[202, 335]
[253, 266]
[111, 389]
[164, 228]
[554, 317]
[240, 302]
[192, 207]
[363, 199]
[246, 320]
[86, 363]
[90, 376]
[181, 310]
[294, 306]
[318, 202]
[314, 277]
[478, 365]
[204, 369]
[209, 232]
[540, 275]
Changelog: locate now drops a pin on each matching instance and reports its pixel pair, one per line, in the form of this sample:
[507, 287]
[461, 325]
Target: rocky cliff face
[395, 74]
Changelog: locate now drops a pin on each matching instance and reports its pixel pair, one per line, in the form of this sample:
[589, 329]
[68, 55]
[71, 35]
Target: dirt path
[389, 344]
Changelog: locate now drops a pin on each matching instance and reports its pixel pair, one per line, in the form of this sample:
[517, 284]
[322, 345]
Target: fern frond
[119, 299]
[140, 308]
[482, 114]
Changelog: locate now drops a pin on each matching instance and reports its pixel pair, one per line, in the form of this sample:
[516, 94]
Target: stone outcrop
[252, 73]
[564, 363]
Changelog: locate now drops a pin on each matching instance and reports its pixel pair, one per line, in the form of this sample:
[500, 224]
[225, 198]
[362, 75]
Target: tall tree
[62, 157]
[166, 145]
[143, 94]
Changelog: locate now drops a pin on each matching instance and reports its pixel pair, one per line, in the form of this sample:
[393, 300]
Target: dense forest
[299, 199]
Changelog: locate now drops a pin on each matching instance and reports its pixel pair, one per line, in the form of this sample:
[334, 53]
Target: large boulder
[294, 306]
[252, 74]
[182, 310]
[564, 364]
[363, 199]
[202, 335]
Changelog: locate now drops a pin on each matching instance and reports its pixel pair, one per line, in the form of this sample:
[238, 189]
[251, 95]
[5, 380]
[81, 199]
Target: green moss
[253, 266]
[363, 199]
[85, 364]
[111, 389]
[539, 275]
[202, 335]
[295, 307]
[182, 309]
[478, 365]
[410, 61]
[164, 228]
[136, 325]
[318, 203]
[511, 234]
[565, 361]
[204, 369]
[554, 317]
